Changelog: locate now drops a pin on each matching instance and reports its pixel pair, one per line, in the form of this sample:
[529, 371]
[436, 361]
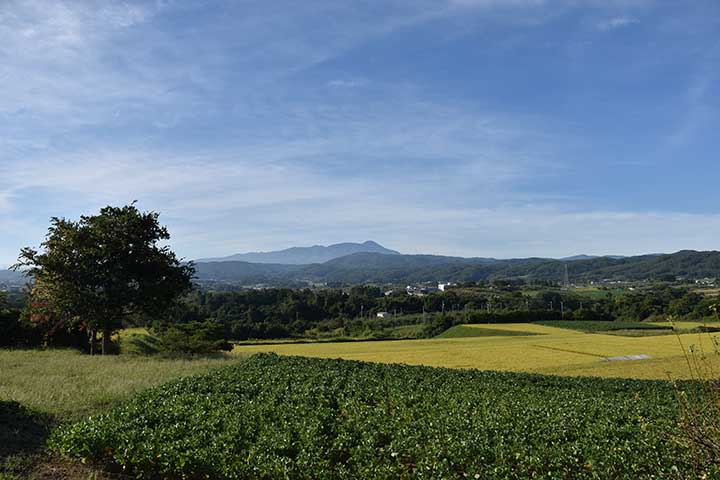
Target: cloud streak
[615, 23]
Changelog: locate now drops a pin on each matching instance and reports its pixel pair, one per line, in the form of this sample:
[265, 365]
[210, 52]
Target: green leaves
[286, 417]
[193, 338]
[103, 267]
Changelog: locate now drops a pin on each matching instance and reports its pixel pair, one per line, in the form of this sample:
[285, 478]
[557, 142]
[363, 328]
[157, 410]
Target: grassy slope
[558, 352]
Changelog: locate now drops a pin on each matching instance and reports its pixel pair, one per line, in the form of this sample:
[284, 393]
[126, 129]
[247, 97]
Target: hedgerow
[289, 417]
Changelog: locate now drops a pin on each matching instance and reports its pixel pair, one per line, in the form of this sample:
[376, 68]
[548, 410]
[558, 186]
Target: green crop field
[550, 350]
[293, 417]
[59, 387]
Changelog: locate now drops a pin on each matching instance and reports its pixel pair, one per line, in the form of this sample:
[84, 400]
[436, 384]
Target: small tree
[103, 268]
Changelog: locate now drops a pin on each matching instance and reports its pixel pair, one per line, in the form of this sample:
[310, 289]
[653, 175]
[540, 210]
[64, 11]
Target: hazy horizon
[475, 128]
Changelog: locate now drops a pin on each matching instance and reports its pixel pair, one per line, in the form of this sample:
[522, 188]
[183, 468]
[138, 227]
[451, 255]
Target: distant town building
[443, 286]
[383, 315]
[420, 290]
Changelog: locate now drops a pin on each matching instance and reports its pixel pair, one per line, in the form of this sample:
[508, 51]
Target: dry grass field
[70, 385]
[550, 350]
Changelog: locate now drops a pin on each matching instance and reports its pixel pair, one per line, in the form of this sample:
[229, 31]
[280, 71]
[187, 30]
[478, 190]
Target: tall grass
[69, 385]
[700, 408]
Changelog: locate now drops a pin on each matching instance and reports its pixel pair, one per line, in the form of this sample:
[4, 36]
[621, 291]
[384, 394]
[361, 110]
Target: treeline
[286, 313]
[283, 313]
[20, 330]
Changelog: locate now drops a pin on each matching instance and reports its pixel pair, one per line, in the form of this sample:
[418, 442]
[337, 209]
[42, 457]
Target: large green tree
[103, 268]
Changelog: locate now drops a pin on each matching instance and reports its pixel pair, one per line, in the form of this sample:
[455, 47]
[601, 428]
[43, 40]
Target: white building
[443, 286]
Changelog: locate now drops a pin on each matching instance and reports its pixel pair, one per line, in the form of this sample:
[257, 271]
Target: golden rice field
[550, 350]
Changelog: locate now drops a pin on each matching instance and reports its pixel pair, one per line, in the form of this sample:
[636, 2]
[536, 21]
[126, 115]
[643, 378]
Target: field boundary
[567, 350]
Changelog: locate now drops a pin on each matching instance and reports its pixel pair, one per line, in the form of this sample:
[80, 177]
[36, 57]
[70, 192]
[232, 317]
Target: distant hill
[589, 257]
[379, 268]
[367, 267]
[245, 272]
[12, 277]
[305, 255]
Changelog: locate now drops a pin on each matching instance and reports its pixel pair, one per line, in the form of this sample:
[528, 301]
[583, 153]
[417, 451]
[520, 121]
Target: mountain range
[370, 262]
[305, 255]
[379, 267]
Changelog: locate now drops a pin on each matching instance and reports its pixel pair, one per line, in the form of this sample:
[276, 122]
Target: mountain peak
[306, 255]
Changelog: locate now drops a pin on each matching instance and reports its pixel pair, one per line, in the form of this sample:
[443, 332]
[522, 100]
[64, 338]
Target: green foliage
[103, 268]
[192, 338]
[274, 417]
[285, 313]
[16, 331]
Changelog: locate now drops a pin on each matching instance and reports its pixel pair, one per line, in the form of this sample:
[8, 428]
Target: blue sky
[501, 128]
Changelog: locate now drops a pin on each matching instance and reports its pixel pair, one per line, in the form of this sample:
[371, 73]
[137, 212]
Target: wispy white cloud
[615, 23]
[233, 202]
[251, 130]
[329, 172]
[346, 83]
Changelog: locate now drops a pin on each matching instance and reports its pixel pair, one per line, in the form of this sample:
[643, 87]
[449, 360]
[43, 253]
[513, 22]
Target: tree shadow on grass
[21, 431]
[23, 435]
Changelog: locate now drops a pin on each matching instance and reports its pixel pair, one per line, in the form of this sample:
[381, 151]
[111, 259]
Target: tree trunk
[93, 340]
[106, 333]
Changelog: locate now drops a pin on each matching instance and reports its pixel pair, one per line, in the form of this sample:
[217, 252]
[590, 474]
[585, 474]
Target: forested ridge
[365, 267]
[362, 268]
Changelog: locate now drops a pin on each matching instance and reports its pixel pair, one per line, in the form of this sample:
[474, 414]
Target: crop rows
[291, 417]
